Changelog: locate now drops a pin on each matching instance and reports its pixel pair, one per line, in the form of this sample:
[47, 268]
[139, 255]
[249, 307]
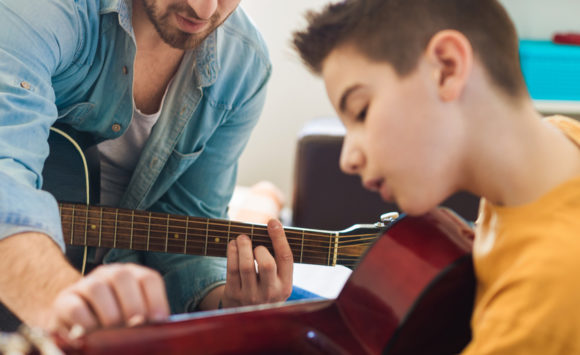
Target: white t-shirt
[119, 156]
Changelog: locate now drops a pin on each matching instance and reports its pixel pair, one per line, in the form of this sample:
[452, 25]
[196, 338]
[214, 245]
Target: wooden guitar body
[412, 293]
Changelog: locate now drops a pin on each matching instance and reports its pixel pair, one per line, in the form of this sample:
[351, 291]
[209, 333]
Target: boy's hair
[398, 32]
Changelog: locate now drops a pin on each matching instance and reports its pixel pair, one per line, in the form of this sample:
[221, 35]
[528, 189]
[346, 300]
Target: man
[169, 90]
[433, 101]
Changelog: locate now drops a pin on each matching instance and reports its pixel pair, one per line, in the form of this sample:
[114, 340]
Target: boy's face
[401, 138]
[185, 24]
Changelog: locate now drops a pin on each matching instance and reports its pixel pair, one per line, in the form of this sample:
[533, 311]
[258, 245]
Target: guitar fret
[206, 236]
[131, 231]
[100, 227]
[335, 250]
[148, 231]
[115, 235]
[86, 223]
[186, 230]
[229, 227]
[302, 247]
[329, 248]
[167, 233]
[72, 225]
[252, 234]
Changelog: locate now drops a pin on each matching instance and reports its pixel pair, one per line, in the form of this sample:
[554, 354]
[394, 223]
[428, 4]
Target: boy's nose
[351, 158]
[204, 8]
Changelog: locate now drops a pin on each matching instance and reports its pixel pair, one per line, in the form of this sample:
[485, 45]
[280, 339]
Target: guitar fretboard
[150, 231]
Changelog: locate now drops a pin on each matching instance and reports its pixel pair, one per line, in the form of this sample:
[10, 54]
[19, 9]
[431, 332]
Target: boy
[433, 101]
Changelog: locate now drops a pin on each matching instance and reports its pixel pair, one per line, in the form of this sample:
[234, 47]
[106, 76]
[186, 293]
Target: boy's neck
[516, 157]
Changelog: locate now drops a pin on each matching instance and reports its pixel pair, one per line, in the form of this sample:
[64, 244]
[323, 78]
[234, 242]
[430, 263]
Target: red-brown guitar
[412, 293]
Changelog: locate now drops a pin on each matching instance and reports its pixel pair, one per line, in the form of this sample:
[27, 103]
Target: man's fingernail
[135, 320]
[76, 331]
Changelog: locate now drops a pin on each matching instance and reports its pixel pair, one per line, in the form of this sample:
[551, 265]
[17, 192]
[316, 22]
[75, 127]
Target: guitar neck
[150, 231]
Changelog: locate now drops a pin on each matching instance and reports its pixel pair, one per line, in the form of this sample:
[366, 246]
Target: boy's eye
[362, 114]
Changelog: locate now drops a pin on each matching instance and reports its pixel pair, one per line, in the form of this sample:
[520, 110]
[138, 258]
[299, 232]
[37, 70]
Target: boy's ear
[451, 56]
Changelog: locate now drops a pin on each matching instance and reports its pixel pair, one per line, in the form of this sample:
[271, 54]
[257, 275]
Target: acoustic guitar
[411, 292]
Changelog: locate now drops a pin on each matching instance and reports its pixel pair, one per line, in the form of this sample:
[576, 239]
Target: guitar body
[412, 293]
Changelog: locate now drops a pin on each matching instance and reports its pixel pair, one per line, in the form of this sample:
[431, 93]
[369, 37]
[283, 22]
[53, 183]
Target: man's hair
[398, 32]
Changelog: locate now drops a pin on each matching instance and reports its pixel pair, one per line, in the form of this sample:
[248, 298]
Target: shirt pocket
[75, 114]
[178, 162]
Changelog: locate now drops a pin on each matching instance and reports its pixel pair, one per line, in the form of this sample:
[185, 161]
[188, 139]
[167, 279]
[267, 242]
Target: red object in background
[567, 38]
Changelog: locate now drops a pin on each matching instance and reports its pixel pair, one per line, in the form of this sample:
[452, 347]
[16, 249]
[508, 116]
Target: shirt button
[25, 85]
[116, 127]
[125, 70]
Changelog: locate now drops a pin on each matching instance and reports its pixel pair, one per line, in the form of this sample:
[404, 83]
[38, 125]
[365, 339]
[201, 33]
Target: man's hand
[111, 295]
[273, 280]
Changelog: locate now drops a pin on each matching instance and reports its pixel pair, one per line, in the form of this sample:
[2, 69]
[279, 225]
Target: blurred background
[295, 96]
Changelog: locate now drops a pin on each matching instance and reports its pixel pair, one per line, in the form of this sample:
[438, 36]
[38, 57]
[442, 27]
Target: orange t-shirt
[527, 263]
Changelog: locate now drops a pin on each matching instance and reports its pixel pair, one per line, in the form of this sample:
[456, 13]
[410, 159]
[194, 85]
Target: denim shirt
[71, 61]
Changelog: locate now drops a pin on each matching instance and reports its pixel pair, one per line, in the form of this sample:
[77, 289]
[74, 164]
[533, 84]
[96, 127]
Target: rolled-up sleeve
[31, 52]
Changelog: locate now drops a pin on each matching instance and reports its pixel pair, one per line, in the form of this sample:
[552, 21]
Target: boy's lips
[373, 184]
[380, 186]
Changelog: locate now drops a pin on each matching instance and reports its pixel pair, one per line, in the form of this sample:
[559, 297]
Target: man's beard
[172, 35]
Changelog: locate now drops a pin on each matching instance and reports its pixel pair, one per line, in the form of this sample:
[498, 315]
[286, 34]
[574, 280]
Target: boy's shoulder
[569, 126]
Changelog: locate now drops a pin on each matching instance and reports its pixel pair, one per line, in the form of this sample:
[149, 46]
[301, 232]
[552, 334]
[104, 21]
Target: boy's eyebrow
[345, 95]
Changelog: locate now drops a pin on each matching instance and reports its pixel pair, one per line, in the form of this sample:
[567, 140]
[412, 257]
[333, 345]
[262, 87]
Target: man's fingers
[112, 295]
[74, 311]
[282, 251]
[155, 298]
[102, 300]
[141, 294]
[129, 295]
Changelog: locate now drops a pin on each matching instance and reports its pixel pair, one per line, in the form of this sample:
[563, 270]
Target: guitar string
[171, 242]
[180, 232]
[201, 236]
[309, 256]
[157, 241]
[224, 224]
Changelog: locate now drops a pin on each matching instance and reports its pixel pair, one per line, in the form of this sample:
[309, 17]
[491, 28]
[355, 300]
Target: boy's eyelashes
[362, 114]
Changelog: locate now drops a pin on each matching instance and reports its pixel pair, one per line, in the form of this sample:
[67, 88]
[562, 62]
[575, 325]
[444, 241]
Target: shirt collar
[205, 56]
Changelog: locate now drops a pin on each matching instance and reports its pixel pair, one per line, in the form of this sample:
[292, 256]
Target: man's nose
[204, 8]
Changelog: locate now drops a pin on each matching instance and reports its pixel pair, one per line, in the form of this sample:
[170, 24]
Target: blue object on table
[299, 293]
[551, 71]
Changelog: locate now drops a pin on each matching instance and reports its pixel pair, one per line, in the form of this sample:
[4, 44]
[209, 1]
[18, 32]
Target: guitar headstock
[355, 240]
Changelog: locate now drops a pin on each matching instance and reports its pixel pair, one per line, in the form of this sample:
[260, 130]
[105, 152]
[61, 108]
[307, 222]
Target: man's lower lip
[187, 26]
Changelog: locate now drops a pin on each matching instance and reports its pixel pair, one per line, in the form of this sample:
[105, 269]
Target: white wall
[295, 96]
[540, 19]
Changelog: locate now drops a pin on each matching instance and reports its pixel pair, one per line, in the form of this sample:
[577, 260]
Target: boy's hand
[273, 280]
